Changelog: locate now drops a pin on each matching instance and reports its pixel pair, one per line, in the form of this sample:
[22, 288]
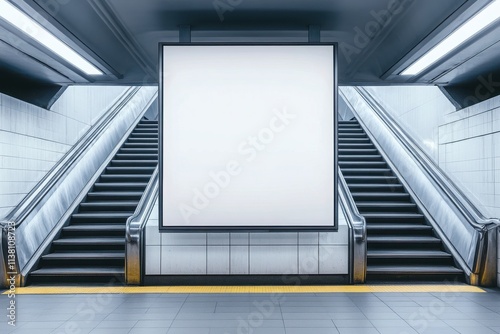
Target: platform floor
[439, 309]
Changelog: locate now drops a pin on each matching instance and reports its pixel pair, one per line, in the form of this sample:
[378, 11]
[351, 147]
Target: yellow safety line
[58, 290]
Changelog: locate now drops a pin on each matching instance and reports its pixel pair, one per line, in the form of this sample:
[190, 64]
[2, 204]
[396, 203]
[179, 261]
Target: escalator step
[408, 254]
[413, 270]
[403, 239]
[85, 256]
[92, 271]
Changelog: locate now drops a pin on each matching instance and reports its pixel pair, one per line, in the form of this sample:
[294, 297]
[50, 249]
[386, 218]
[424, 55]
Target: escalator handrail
[357, 223]
[134, 231]
[473, 215]
[18, 214]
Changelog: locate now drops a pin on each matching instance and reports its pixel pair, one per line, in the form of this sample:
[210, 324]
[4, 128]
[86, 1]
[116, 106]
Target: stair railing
[357, 232]
[134, 249]
[470, 237]
[30, 227]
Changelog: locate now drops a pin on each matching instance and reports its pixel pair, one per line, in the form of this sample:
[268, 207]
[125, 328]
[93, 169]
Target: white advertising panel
[247, 137]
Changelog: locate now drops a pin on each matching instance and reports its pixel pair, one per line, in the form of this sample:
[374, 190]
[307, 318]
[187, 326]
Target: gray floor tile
[474, 330]
[397, 330]
[153, 323]
[312, 330]
[358, 330]
[190, 330]
[437, 330]
[309, 323]
[350, 323]
[145, 330]
[117, 324]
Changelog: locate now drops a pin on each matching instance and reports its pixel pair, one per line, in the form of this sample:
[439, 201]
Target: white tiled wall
[420, 109]
[469, 149]
[245, 253]
[498, 255]
[33, 139]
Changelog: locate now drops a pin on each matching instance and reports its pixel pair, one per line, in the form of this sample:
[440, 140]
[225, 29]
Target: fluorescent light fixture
[478, 22]
[33, 29]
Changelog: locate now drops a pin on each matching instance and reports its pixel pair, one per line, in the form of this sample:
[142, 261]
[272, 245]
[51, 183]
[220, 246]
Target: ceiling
[122, 36]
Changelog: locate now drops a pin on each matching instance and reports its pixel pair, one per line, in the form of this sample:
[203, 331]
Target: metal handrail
[461, 201]
[134, 233]
[357, 225]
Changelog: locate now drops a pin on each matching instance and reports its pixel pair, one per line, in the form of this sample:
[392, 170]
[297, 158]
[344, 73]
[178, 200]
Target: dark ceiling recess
[482, 88]
[24, 88]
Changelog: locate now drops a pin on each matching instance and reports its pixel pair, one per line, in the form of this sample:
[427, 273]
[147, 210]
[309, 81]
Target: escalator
[91, 247]
[401, 244]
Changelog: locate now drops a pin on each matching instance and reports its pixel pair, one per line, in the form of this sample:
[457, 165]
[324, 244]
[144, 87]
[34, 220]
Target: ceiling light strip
[34, 30]
[478, 22]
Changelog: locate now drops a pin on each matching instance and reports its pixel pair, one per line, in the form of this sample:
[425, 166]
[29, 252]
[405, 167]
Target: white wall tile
[308, 238]
[218, 239]
[333, 259]
[183, 260]
[274, 238]
[335, 238]
[184, 239]
[239, 260]
[153, 254]
[218, 260]
[309, 259]
[152, 236]
[239, 238]
[274, 259]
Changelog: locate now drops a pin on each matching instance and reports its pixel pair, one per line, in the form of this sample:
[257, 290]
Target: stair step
[140, 145]
[356, 146]
[95, 228]
[378, 196]
[136, 170]
[113, 195]
[408, 254]
[86, 271]
[109, 204]
[350, 129]
[367, 172]
[138, 150]
[143, 135]
[354, 157]
[393, 218]
[90, 241]
[375, 179]
[85, 256]
[357, 151]
[133, 163]
[344, 140]
[352, 135]
[119, 185]
[413, 270]
[398, 227]
[362, 164]
[141, 140]
[375, 187]
[403, 239]
[385, 205]
[136, 156]
[125, 177]
[101, 216]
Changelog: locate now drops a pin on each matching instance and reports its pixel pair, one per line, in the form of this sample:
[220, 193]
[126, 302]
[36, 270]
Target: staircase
[401, 244]
[91, 247]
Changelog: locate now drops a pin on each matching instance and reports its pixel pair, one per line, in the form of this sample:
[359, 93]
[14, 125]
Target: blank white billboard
[247, 137]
